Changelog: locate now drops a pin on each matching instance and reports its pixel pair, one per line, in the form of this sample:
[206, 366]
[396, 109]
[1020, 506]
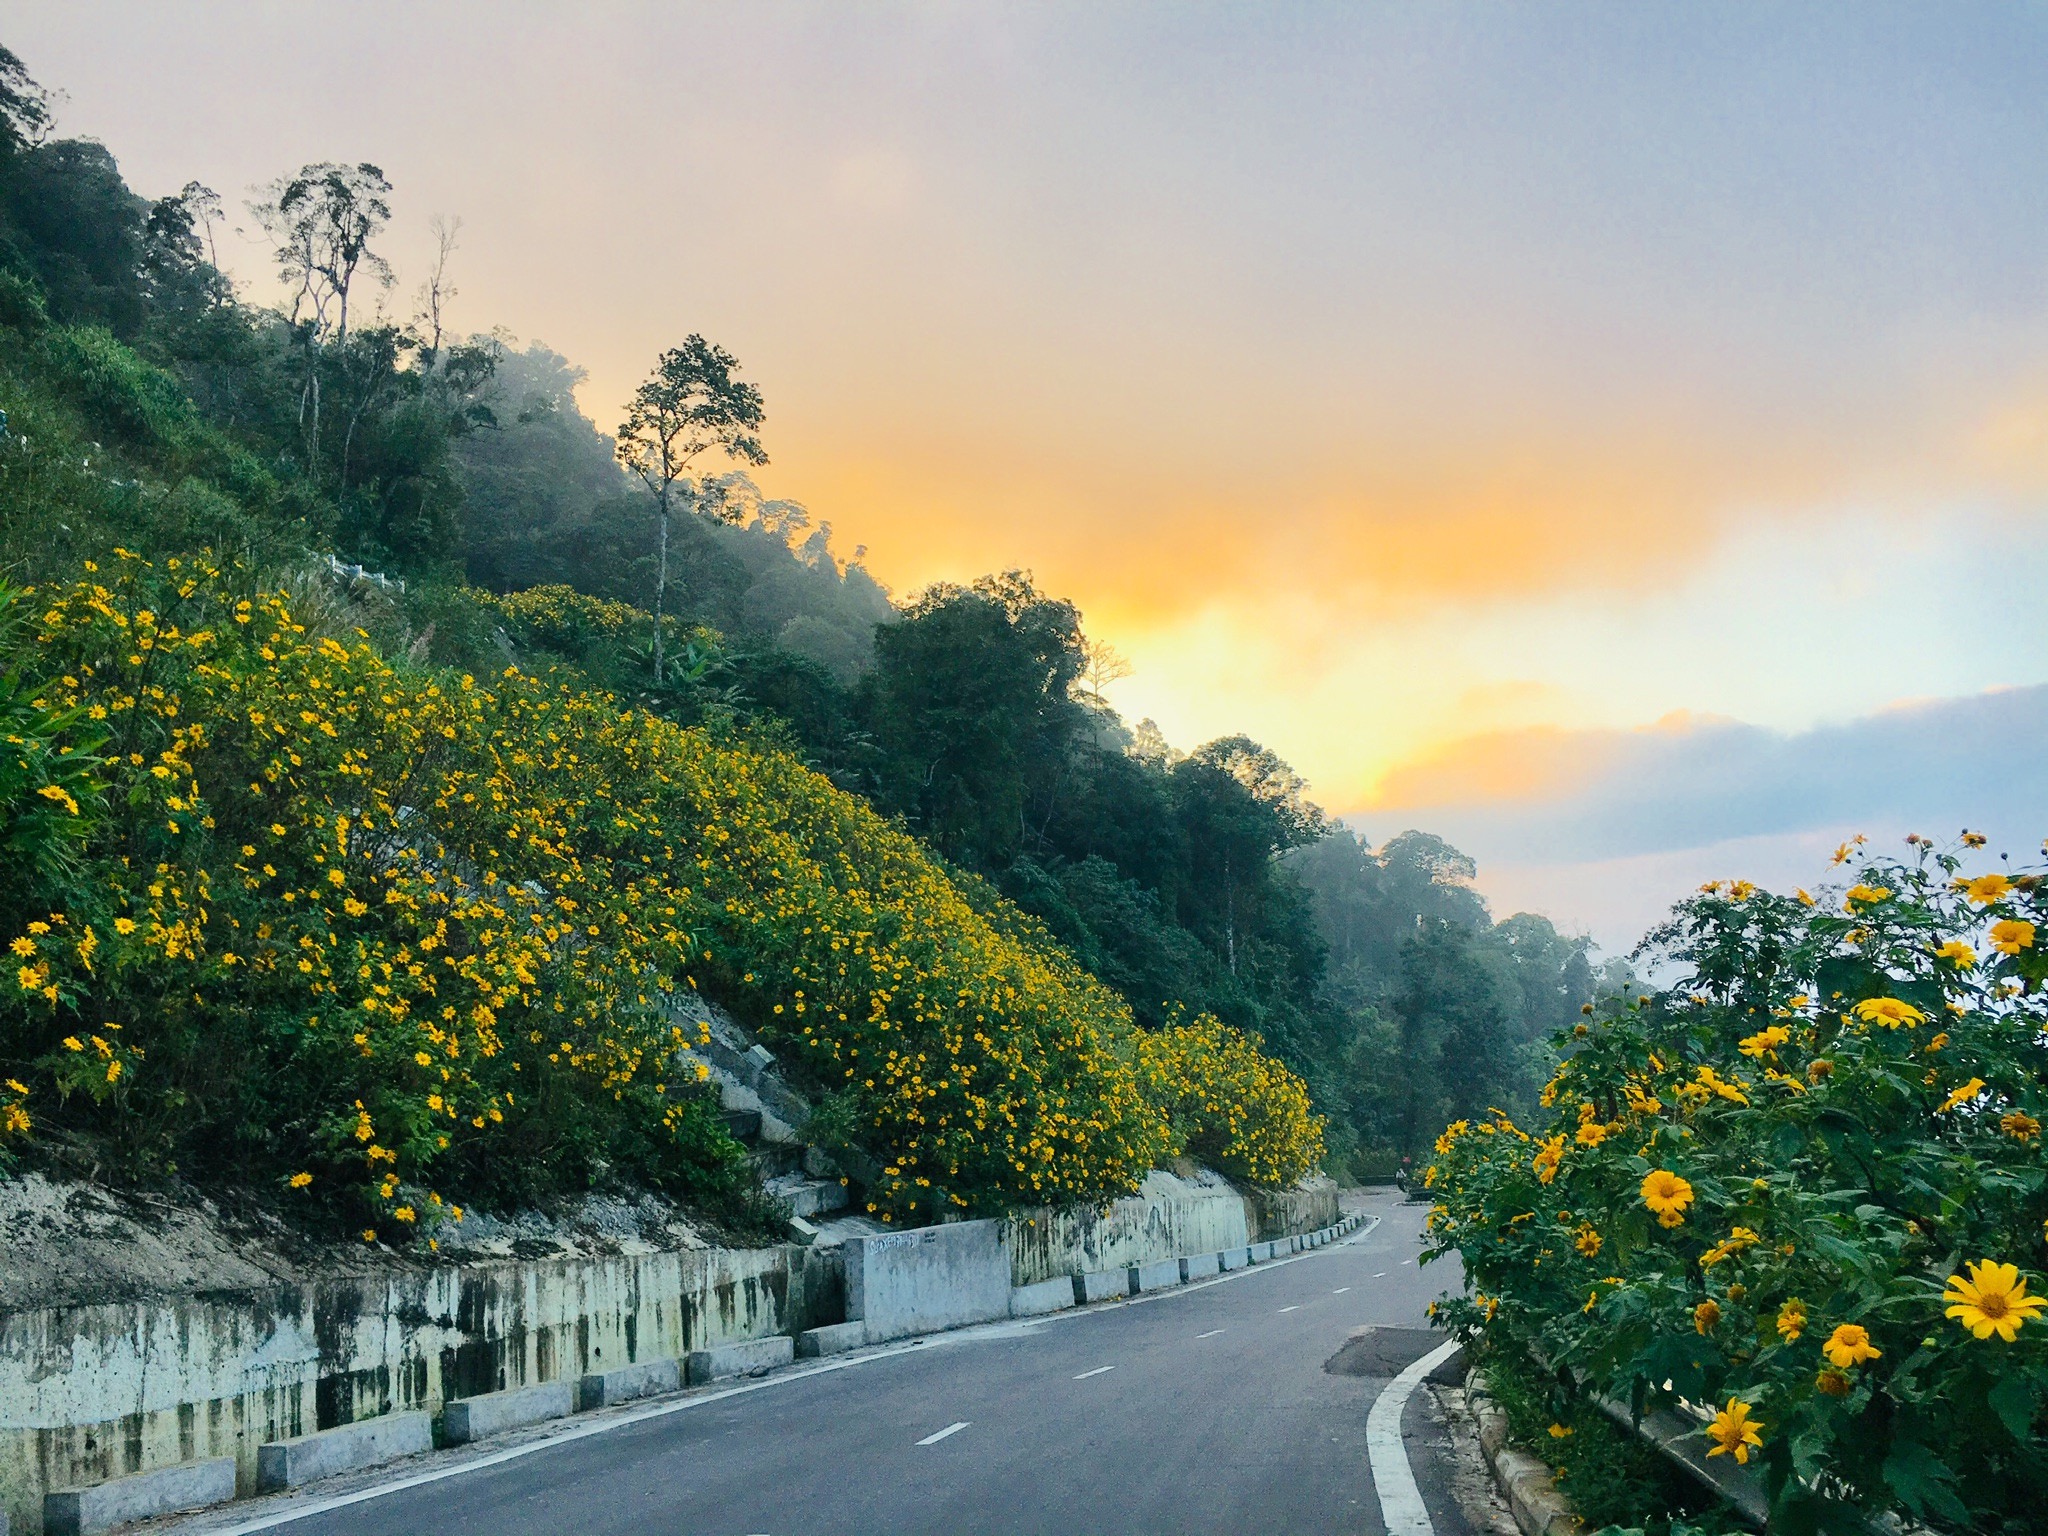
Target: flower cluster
[1229, 1104]
[406, 911]
[1817, 1195]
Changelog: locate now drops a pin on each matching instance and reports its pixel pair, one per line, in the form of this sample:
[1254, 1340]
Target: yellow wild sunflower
[1891, 1012]
[1665, 1193]
[1986, 889]
[1849, 1345]
[2012, 935]
[1993, 1300]
[1734, 1432]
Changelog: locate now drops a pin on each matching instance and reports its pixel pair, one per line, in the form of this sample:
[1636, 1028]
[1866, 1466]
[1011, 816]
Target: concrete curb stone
[1232, 1258]
[645, 1378]
[750, 1357]
[346, 1448]
[1101, 1285]
[1525, 1482]
[1199, 1266]
[1153, 1277]
[833, 1339]
[166, 1491]
[1054, 1295]
[489, 1413]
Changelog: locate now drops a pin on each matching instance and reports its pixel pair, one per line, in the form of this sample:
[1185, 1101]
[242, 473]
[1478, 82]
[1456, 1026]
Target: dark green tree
[969, 706]
[1240, 805]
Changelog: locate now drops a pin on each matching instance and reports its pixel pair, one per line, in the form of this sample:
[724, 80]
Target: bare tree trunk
[1229, 915]
[660, 582]
[309, 414]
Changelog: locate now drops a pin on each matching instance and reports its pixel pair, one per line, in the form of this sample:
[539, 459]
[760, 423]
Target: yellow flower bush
[1822, 1200]
[1229, 1104]
[403, 922]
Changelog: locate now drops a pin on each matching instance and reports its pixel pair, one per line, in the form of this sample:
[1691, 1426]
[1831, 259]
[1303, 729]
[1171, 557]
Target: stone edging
[1525, 1481]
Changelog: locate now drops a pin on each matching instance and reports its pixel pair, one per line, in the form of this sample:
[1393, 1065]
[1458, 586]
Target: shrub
[362, 926]
[1229, 1104]
[1805, 1188]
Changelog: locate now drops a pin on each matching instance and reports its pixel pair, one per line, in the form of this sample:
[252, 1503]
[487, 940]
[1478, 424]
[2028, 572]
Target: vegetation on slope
[150, 407]
[367, 924]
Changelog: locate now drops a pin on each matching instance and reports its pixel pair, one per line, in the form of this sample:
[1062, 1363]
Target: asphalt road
[1206, 1409]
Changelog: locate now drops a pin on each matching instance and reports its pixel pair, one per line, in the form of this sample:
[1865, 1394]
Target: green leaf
[2013, 1401]
[1922, 1480]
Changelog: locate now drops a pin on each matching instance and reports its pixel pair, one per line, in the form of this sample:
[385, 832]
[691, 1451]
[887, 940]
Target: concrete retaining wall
[1168, 1217]
[88, 1394]
[904, 1283]
[1284, 1212]
[91, 1394]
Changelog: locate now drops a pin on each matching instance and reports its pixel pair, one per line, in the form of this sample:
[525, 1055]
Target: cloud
[1602, 830]
[1549, 796]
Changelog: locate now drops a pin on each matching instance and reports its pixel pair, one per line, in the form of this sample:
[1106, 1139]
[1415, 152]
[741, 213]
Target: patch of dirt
[77, 1243]
[1472, 1485]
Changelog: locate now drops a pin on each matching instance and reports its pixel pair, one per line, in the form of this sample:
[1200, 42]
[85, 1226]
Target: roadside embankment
[93, 1393]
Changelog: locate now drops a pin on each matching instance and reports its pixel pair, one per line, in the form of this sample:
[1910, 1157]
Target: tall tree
[1240, 805]
[970, 707]
[688, 405]
[321, 222]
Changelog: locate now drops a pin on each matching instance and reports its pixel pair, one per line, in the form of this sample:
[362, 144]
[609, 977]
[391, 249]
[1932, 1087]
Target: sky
[1612, 436]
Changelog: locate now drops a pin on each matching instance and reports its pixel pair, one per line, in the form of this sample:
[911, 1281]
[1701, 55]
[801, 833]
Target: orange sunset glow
[1470, 406]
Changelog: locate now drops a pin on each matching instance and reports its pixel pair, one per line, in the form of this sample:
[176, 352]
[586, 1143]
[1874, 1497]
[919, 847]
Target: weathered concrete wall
[932, 1278]
[91, 1393]
[1168, 1217]
[1285, 1212]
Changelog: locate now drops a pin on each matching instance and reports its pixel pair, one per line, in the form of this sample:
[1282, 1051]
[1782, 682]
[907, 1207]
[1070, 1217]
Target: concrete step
[774, 1161]
[809, 1198]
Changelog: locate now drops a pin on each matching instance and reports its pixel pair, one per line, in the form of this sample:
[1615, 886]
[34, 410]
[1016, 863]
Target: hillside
[173, 450]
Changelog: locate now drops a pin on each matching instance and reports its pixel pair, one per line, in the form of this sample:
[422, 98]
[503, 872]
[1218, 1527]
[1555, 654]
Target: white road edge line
[201, 1526]
[1096, 1372]
[950, 1429]
[1400, 1500]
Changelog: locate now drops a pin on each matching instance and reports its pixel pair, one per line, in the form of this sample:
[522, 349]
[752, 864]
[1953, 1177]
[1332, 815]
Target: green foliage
[545, 502]
[1807, 1180]
[1448, 1011]
[1231, 1105]
[390, 927]
[50, 784]
[1616, 1482]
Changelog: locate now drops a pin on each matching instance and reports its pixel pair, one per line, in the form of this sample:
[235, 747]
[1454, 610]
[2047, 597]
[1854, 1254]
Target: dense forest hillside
[928, 813]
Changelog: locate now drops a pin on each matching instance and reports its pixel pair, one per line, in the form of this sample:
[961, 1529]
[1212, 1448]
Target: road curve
[1204, 1409]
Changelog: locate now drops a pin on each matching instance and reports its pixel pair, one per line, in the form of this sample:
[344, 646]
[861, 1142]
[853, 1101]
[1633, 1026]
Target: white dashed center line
[1381, 1275]
[950, 1429]
[1096, 1372]
[1340, 1290]
[1210, 1334]
[1295, 1308]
